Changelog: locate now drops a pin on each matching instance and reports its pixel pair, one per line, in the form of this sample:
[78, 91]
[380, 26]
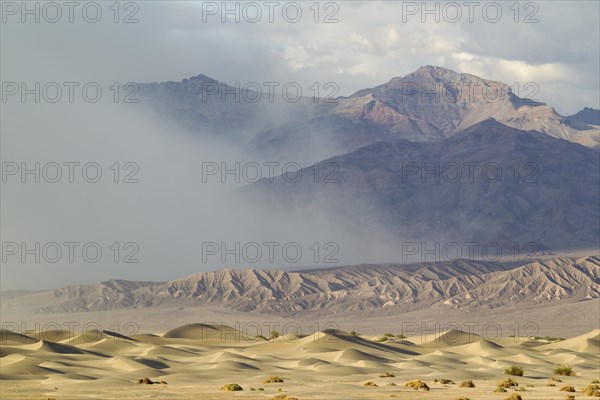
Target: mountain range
[430, 104]
[426, 158]
[466, 284]
[382, 142]
[488, 183]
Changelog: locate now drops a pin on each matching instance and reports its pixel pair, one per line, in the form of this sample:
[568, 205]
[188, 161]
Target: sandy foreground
[196, 360]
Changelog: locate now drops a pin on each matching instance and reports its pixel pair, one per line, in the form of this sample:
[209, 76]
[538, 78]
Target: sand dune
[196, 361]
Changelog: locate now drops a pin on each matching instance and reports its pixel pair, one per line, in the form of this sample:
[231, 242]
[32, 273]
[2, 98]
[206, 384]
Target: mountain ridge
[427, 105]
[460, 283]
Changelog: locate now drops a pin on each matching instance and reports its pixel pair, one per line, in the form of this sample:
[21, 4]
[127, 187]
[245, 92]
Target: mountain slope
[489, 183]
[470, 285]
[428, 105]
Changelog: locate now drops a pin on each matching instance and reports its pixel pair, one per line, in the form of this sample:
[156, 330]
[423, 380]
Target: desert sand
[196, 360]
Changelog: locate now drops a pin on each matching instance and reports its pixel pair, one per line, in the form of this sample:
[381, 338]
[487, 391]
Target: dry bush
[284, 397]
[370, 384]
[417, 385]
[467, 384]
[514, 370]
[564, 370]
[231, 387]
[506, 383]
[592, 390]
[391, 384]
[273, 379]
[387, 375]
[567, 388]
[514, 396]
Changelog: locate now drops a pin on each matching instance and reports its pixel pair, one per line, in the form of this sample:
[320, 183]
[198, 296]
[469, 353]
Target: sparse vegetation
[274, 334]
[446, 382]
[500, 390]
[261, 337]
[592, 390]
[507, 383]
[514, 370]
[382, 339]
[467, 384]
[353, 333]
[284, 397]
[570, 397]
[387, 375]
[514, 396]
[551, 384]
[417, 385]
[370, 384]
[556, 379]
[462, 398]
[567, 388]
[391, 384]
[400, 336]
[148, 381]
[231, 387]
[548, 338]
[387, 334]
[564, 370]
[273, 379]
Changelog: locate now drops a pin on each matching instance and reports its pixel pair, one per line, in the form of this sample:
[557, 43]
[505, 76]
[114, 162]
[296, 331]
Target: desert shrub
[567, 388]
[596, 381]
[274, 334]
[462, 398]
[284, 397]
[548, 338]
[514, 396]
[231, 387]
[564, 370]
[570, 397]
[391, 384]
[382, 339]
[506, 383]
[551, 384]
[500, 390]
[417, 385]
[353, 333]
[592, 390]
[514, 370]
[387, 334]
[446, 382]
[261, 337]
[556, 379]
[370, 384]
[401, 336]
[387, 375]
[261, 389]
[467, 384]
[273, 379]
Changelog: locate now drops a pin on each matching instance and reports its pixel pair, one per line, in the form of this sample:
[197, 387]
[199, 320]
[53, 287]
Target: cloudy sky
[168, 213]
[356, 44]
